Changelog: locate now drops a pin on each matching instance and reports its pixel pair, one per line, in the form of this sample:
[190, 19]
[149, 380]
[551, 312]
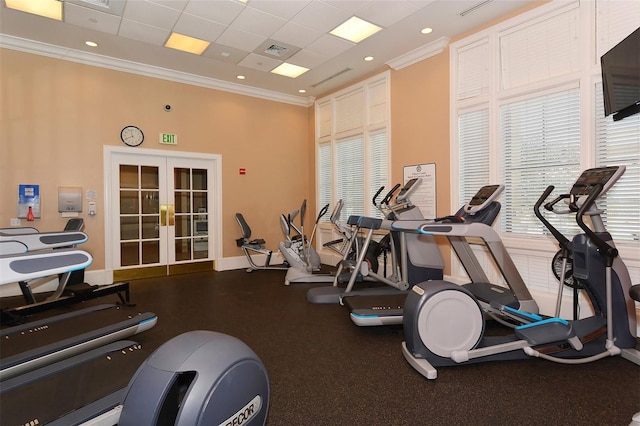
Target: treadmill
[73, 390]
[35, 344]
[71, 286]
[387, 309]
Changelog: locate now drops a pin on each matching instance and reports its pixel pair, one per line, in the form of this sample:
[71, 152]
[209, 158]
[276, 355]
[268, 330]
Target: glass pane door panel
[129, 228]
[129, 254]
[200, 248]
[128, 176]
[183, 202]
[150, 227]
[199, 179]
[149, 178]
[150, 202]
[183, 249]
[150, 252]
[183, 226]
[129, 202]
[200, 202]
[182, 178]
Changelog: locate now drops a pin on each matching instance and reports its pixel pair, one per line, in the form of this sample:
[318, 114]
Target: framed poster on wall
[28, 196]
[425, 196]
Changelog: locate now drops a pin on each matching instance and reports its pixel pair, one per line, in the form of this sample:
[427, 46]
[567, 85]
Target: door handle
[171, 214]
[163, 214]
[167, 215]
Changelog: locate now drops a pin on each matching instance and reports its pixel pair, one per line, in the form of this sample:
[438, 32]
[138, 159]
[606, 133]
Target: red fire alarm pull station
[242, 171]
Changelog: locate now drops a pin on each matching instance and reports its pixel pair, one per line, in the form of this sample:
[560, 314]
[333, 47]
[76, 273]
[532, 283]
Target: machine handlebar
[387, 198]
[375, 197]
[562, 240]
[605, 250]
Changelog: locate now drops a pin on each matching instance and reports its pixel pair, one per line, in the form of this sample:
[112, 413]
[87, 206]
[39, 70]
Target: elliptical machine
[444, 323]
[303, 260]
[415, 258]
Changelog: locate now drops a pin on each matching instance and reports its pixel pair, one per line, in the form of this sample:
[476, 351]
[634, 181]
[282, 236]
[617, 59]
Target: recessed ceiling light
[91, 43]
[289, 70]
[240, 77]
[186, 43]
[302, 91]
[426, 30]
[47, 8]
[355, 29]
[368, 58]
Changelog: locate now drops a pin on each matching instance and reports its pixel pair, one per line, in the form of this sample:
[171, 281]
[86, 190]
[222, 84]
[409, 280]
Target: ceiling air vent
[330, 77]
[275, 50]
[475, 7]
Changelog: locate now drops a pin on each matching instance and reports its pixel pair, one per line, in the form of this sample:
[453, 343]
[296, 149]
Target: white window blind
[473, 70]
[473, 153]
[325, 180]
[541, 50]
[379, 160]
[350, 175]
[540, 146]
[615, 21]
[353, 160]
[618, 143]
[349, 111]
[324, 119]
[378, 103]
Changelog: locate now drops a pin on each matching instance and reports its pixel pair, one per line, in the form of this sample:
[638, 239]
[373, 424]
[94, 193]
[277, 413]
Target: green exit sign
[168, 139]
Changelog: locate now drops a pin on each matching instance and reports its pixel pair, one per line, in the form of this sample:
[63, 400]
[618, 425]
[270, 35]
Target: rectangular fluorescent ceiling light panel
[355, 29]
[187, 44]
[47, 8]
[289, 70]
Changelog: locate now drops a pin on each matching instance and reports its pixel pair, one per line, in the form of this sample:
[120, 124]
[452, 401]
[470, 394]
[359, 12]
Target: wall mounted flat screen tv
[621, 77]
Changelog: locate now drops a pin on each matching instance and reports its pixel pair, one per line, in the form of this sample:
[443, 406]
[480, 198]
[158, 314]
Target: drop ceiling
[249, 39]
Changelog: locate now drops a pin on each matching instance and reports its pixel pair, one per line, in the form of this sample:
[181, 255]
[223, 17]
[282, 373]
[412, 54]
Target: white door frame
[215, 218]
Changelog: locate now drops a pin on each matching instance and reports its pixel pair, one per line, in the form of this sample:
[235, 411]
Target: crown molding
[419, 54]
[87, 58]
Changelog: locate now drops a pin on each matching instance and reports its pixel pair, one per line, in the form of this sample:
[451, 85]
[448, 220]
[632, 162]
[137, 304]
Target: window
[527, 106]
[352, 128]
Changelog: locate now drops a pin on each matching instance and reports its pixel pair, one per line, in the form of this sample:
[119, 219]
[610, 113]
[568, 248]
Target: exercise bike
[444, 323]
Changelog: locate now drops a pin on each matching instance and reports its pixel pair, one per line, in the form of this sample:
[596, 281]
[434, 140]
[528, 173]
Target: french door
[161, 211]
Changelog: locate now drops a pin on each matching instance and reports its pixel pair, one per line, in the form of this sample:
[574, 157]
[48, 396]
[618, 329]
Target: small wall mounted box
[69, 199]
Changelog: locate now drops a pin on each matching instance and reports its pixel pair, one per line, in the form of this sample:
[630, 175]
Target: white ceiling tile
[296, 34]
[259, 62]
[387, 13]
[199, 28]
[329, 45]
[240, 39]
[422, 3]
[285, 9]
[257, 22]
[142, 32]
[173, 4]
[321, 16]
[223, 53]
[152, 14]
[351, 6]
[222, 11]
[91, 18]
[113, 7]
[307, 59]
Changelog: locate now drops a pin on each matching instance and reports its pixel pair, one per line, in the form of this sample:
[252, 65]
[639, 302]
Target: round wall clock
[132, 136]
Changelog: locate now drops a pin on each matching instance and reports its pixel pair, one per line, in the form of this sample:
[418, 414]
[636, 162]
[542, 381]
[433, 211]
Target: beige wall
[420, 125]
[56, 116]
